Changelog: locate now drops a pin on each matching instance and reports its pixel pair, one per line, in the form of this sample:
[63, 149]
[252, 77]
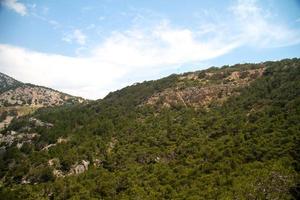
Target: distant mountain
[7, 83]
[17, 98]
[32, 95]
[221, 133]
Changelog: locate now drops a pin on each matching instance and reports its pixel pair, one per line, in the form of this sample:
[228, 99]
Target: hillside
[222, 133]
[18, 99]
[7, 83]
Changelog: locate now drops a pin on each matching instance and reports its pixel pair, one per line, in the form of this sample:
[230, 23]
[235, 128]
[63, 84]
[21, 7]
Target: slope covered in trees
[146, 142]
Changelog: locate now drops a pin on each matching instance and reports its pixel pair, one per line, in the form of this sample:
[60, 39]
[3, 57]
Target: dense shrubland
[245, 148]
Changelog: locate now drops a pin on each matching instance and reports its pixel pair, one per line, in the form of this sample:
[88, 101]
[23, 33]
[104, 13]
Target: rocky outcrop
[36, 96]
[18, 99]
[58, 173]
[80, 168]
[39, 123]
[77, 168]
[20, 138]
[25, 134]
[200, 90]
[59, 141]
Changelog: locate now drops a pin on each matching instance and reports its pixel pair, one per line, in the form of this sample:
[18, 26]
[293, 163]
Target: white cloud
[160, 46]
[16, 6]
[76, 36]
[142, 53]
[88, 77]
[256, 26]
[112, 64]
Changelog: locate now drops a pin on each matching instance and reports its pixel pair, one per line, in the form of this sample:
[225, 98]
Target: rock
[46, 148]
[202, 94]
[61, 140]
[53, 162]
[31, 95]
[21, 138]
[157, 159]
[85, 164]
[58, 173]
[97, 162]
[24, 181]
[19, 145]
[39, 123]
[80, 168]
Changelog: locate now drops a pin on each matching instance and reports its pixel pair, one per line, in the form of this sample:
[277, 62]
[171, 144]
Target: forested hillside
[222, 133]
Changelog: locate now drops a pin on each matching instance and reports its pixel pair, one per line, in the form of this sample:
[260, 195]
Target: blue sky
[89, 48]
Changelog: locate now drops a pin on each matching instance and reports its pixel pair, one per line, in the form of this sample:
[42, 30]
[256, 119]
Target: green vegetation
[245, 148]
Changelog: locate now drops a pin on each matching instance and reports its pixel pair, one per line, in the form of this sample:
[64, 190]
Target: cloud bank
[16, 6]
[145, 50]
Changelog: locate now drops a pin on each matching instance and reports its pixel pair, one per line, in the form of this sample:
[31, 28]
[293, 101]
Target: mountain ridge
[121, 147]
[17, 98]
[7, 82]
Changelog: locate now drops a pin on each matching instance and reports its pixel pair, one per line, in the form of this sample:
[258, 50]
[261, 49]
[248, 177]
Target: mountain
[17, 99]
[7, 83]
[222, 133]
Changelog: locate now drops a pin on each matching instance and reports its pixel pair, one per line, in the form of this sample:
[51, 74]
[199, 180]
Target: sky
[90, 48]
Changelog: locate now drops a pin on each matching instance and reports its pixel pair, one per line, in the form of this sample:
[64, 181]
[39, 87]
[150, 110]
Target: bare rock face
[80, 168]
[36, 96]
[77, 168]
[58, 173]
[204, 89]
